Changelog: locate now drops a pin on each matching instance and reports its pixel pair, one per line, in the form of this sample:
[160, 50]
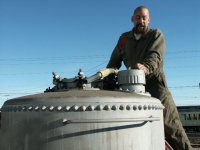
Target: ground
[194, 139]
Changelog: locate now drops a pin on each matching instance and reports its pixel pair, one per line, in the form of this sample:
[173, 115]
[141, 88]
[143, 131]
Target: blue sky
[41, 36]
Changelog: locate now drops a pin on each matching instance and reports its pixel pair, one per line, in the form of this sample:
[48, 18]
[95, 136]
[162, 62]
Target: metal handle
[112, 120]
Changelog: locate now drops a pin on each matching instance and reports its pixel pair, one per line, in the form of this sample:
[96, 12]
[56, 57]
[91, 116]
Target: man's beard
[140, 29]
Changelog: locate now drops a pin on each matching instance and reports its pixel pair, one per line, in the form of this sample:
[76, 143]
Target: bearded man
[143, 48]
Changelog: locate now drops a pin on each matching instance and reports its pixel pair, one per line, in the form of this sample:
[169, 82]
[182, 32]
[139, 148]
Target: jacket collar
[132, 33]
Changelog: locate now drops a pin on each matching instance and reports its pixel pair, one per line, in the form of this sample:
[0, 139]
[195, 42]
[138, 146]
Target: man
[143, 48]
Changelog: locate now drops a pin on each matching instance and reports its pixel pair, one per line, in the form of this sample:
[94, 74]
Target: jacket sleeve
[116, 57]
[153, 60]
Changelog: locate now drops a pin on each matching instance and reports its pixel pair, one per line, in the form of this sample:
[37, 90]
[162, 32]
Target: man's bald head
[141, 19]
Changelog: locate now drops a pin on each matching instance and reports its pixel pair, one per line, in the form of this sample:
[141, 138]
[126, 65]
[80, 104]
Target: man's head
[141, 19]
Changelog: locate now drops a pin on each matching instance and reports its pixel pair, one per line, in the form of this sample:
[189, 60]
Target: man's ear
[132, 18]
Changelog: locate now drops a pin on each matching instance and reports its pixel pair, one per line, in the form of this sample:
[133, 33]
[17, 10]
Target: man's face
[141, 20]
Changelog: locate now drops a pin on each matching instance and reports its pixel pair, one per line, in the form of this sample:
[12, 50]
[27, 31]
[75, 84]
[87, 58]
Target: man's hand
[141, 67]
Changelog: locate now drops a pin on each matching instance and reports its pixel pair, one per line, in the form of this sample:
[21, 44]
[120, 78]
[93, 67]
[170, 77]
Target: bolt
[75, 107]
[134, 107]
[67, 108]
[99, 107]
[24, 108]
[106, 107]
[83, 108]
[44, 108]
[128, 107]
[59, 108]
[37, 108]
[114, 107]
[30, 108]
[91, 108]
[121, 107]
[140, 107]
[145, 107]
[51, 108]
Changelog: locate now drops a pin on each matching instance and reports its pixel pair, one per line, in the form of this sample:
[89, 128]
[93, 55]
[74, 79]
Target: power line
[182, 51]
[54, 58]
[186, 86]
[96, 56]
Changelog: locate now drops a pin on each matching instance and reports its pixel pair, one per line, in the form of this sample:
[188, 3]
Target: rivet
[140, 107]
[75, 107]
[90, 108]
[106, 107]
[149, 107]
[30, 108]
[114, 107]
[99, 107]
[134, 107]
[83, 108]
[44, 108]
[24, 108]
[51, 108]
[67, 108]
[59, 108]
[37, 108]
[128, 107]
[145, 107]
[121, 107]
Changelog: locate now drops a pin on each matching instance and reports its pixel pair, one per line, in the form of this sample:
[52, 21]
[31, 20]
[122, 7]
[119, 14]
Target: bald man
[143, 48]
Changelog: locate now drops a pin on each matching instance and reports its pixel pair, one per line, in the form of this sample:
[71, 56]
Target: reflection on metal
[66, 121]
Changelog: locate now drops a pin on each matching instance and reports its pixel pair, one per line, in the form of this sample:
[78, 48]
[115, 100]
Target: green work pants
[174, 131]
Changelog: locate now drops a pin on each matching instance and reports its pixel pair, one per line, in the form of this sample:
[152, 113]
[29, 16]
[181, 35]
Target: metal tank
[85, 118]
[190, 117]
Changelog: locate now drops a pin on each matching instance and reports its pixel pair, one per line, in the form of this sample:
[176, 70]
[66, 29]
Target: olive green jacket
[148, 50]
